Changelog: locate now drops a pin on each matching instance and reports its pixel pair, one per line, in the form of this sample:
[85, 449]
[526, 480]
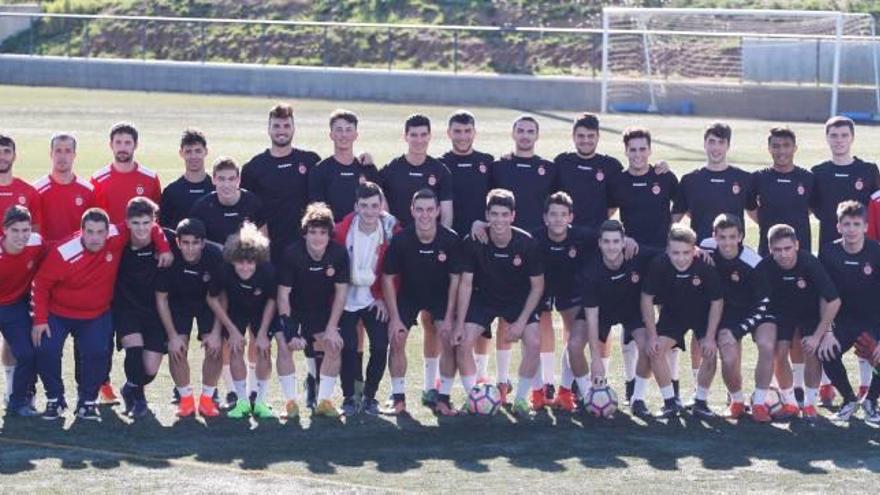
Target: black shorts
[677, 330]
[742, 323]
[183, 320]
[560, 303]
[149, 326]
[787, 329]
[253, 322]
[631, 324]
[848, 334]
[483, 314]
[409, 311]
[306, 325]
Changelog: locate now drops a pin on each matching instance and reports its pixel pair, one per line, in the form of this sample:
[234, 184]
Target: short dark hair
[15, 214]
[500, 197]
[281, 111]
[416, 120]
[586, 120]
[62, 136]
[192, 137]
[368, 189]
[95, 215]
[612, 225]
[559, 198]
[462, 117]
[840, 121]
[345, 115]
[780, 232]
[636, 133]
[225, 163]
[124, 128]
[781, 132]
[679, 232]
[425, 193]
[6, 140]
[193, 227]
[140, 206]
[719, 130]
[526, 118]
[851, 208]
[317, 215]
[727, 221]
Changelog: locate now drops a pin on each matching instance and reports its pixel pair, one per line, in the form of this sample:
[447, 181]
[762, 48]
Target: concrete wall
[781, 103]
[10, 26]
[800, 61]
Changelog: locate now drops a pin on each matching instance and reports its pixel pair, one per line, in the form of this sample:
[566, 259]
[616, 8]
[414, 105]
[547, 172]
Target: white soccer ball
[773, 401]
[484, 400]
[601, 401]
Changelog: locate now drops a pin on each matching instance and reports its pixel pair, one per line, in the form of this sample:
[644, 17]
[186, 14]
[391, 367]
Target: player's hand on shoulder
[366, 158]
[661, 167]
[165, 260]
[630, 248]
[480, 231]
[704, 255]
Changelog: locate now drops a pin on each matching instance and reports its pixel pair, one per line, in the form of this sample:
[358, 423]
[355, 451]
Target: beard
[280, 143]
[123, 157]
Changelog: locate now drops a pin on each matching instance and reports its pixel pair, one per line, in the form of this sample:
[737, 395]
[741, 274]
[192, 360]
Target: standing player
[181, 297]
[72, 293]
[503, 279]
[279, 177]
[853, 263]
[334, 179]
[366, 234]
[746, 301]
[312, 286]
[21, 251]
[64, 196]
[225, 210]
[804, 302]
[424, 259]
[135, 318]
[179, 197]
[689, 293]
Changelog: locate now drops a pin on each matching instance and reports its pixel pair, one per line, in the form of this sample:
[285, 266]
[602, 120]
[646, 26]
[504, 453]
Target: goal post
[653, 59]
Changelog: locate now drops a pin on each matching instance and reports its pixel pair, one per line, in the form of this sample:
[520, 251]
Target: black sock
[675, 387]
[837, 374]
[359, 367]
[134, 365]
[148, 379]
[874, 389]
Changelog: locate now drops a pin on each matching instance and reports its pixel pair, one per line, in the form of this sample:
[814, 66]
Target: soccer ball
[601, 401]
[774, 401]
[484, 400]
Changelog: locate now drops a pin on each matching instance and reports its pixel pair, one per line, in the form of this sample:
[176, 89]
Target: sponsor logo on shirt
[640, 184]
[584, 167]
[231, 214]
[245, 286]
[501, 255]
[415, 174]
[190, 272]
[197, 191]
[315, 268]
[464, 165]
[426, 251]
[346, 174]
[717, 181]
[618, 276]
[144, 254]
[284, 165]
[524, 165]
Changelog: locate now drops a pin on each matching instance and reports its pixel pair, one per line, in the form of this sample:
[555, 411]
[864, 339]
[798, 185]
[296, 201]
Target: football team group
[335, 256]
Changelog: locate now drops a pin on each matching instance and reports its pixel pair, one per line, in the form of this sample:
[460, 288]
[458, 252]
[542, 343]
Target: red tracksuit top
[63, 205]
[114, 189]
[21, 193]
[18, 270]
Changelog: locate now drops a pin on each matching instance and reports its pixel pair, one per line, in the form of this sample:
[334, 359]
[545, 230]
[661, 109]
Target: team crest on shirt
[734, 276]
[517, 261]
[108, 257]
[600, 176]
[656, 189]
[362, 179]
[441, 256]
[696, 281]
[483, 168]
[634, 277]
[541, 170]
[432, 181]
[330, 271]
[139, 190]
[78, 201]
[22, 200]
[30, 265]
[302, 169]
[801, 191]
[859, 184]
[572, 253]
[868, 269]
[736, 189]
[801, 283]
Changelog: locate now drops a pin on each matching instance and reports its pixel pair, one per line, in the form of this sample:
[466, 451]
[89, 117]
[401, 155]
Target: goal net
[669, 60]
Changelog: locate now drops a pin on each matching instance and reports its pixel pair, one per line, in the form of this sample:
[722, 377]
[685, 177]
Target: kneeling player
[312, 285]
[425, 259]
[181, 297]
[804, 301]
[502, 278]
[612, 289]
[244, 298]
[689, 294]
[746, 299]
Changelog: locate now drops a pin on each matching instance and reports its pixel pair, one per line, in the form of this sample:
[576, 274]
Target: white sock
[240, 389]
[482, 361]
[538, 381]
[312, 367]
[567, 375]
[672, 361]
[185, 391]
[827, 381]
[702, 393]
[667, 392]
[760, 396]
[208, 390]
[432, 370]
[325, 387]
[797, 370]
[788, 396]
[737, 397]
[639, 389]
[548, 367]
[810, 395]
[630, 358]
[606, 363]
[523, 386]
[502, 358]
[9, 371]
[398, 385]
[226, 376]
[251, 378]
[866, 373]
[695, 372]
[583, 384]
[262, 390]
[288, 386]
[467, 382]
[446, 384]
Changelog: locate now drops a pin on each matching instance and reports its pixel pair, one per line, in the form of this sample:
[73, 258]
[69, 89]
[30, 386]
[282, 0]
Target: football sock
[482, 361]
[797, 370]
[548, 367]
[432, 370]
[240, 389]
[312, 367]
[446, 384]
[184, 391]
[523, 386]
[759, 396]
[827, 381]
[866, 372]
[262, 390]
[467, 382]
[134, 365]
[737, 396]
[251, 378]
[8, 372]
[672, 361]
[810, 395]
[695, 372]
[667, 392]
[226, 375]
[398, 385]
[639, 388]
[630, 357]
[288, 386]
[567, 374]
[537, 381]
[503, 365]
[606, 363]
[208, 390]
[583, 384]
[702, 393]
[325, 387]
[788, 396]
